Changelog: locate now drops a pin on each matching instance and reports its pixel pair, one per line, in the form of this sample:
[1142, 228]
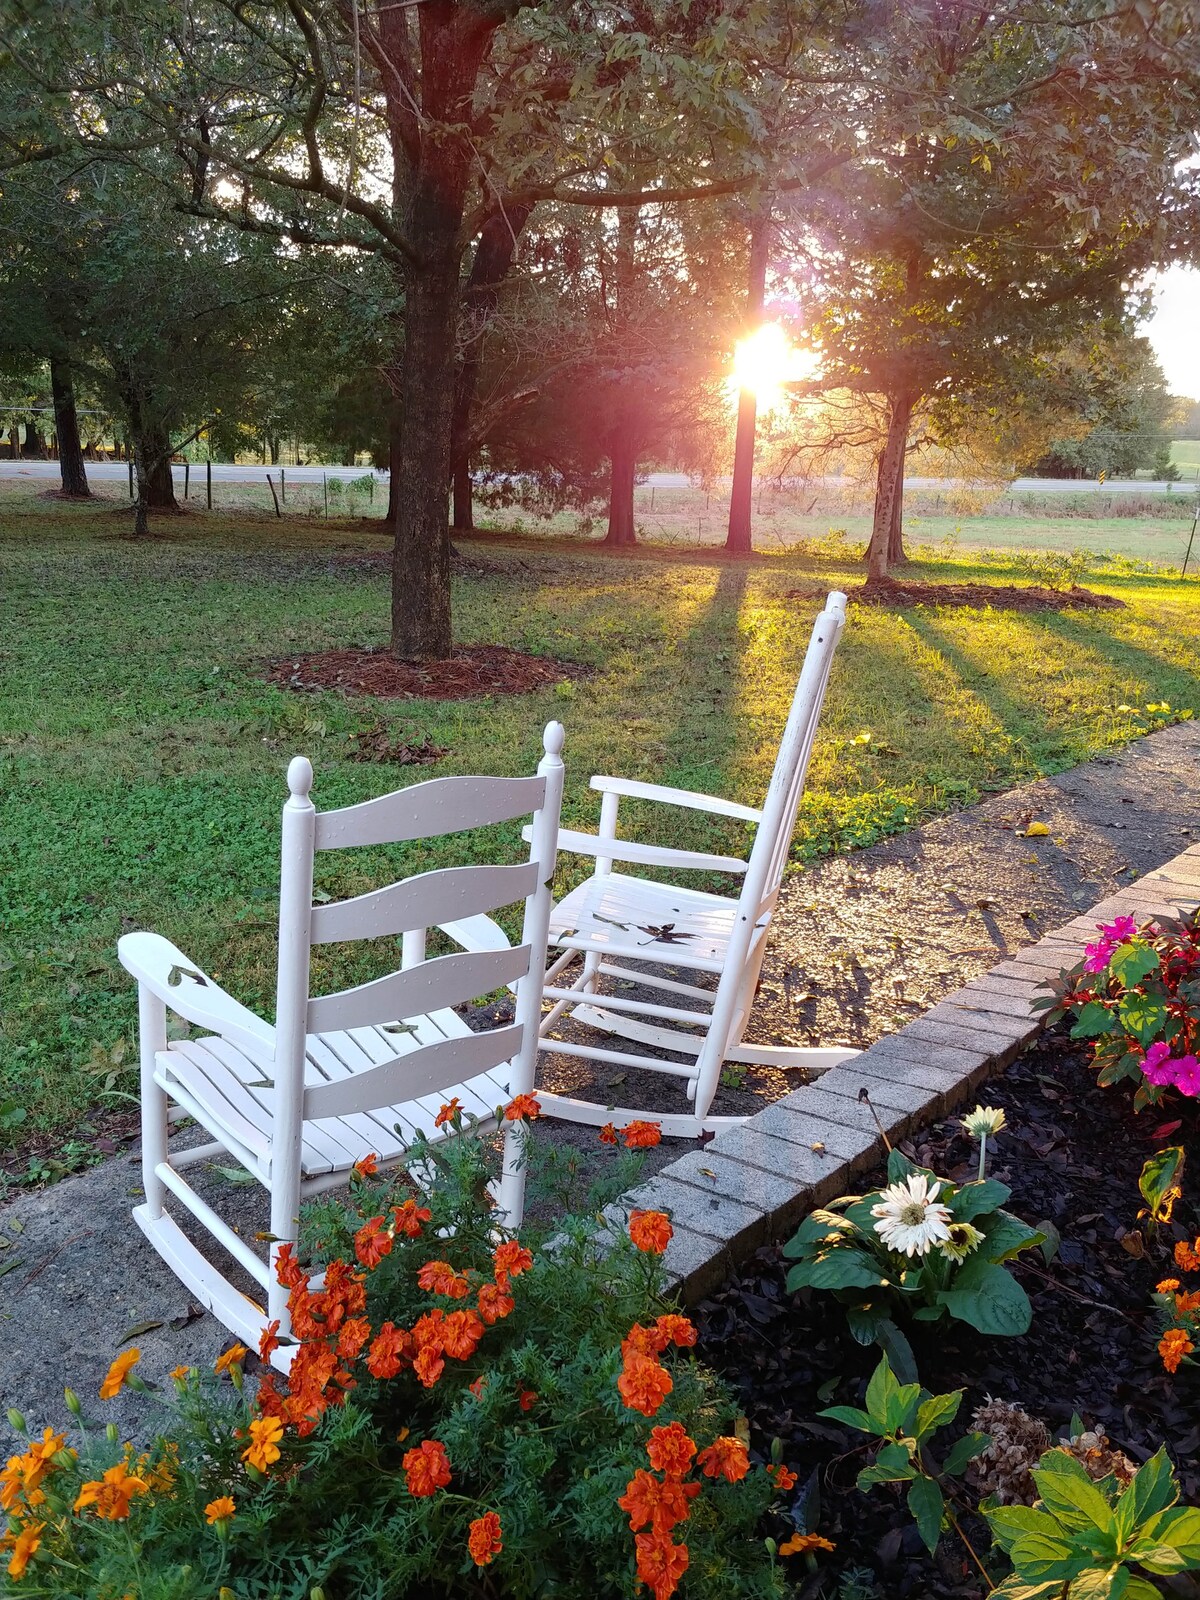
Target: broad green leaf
[927, 1506]
[1160, 1180]
[892, 1465]
[1132, 962]
[865, 1321]
[851, 1416]
[1138, 1589]
[996, 1304]
[1037, 1558]
[1152, 1490]
[816, 1228]
[937, 1412]
[1010, 1523]
[880, 1389]
[1015, 1588]
[1142, 1016]
[842, 1269]
[1177, 1530]
[1068, 1492]
[897, 1349]
[976, 1199]
[899, 1166]
[964, 1450]
[1007, 1236]
[1093, 1021]
[1096, 1583]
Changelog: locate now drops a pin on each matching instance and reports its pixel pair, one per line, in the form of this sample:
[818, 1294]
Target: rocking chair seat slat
[610, 912]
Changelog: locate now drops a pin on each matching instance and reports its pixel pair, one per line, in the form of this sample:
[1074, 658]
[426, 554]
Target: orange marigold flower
[608, 1134]
[367, 1166]
[660, 1564]
[511, 1259]
[1185, 1304]
[785, 1478]
[233, 1357]
[476, 1388]
[118, 1374]
[526, 1399]
[494, 1302]
[427, 1330]
[428, 1366]
[111, 1495]
[448, 1113]
[725, 1457]
[800, 1544]
[642, 1135]
[47, 1447]
[219, 1510]
[651, 1231]
[24, 1545]
[389, 1350]
[522, 1108]
[644, 1384]
[372, 1242]
[427, 1468]
[1186, 1255]
[263, 1449]
[1167, 1286]
[268, 1340]
[676, 1330]
[483, 1539]
[409, 1218]
[462, 1331]
[1173, 1346]
[182, 1374]
[439, 1277]
[288, 1270]
[644, 1341]
[355, 1332]
[671, 1449]
[662, 1503]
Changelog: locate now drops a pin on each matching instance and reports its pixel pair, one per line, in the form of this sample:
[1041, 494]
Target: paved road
[226, 472]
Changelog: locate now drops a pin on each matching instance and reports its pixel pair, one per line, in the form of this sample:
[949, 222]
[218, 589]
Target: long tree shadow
[1149, 666]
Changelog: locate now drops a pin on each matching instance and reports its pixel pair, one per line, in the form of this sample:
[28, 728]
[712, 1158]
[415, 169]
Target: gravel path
[864, 943]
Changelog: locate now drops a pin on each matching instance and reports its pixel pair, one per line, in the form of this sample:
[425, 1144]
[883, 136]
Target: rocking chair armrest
[636, 790]
[194, 996]
[646, 855]
[479, 932]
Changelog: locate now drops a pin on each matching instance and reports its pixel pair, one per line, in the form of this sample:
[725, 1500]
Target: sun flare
[766, 362]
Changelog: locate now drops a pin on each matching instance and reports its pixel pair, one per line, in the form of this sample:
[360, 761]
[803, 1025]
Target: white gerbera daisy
[910, 1221]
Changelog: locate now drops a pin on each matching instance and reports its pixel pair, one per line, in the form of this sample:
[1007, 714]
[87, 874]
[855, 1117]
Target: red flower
[355, 1332]
[427, 1330]
[427, 1468]
[642, 1135]
[644, 1384]
[674, 1329]
[372, 1242]
[428, 1366]
[268, 1340]
[494, 1303]
[522, 1108]
[785, 1478]
[288, 1270]
[511, 1259]
[476, 1388]
[725, 1458]
[608, 1134]
[409, 1217]
[462, 1331]
[389, 1350]
[439, 1277]
[526, 1399]
[671, 1449]
[367, 1167]
[483, 1538]
[651, 1231]
[660, 1564]
[644, 1341]
[448, 1113]
[650, 1499]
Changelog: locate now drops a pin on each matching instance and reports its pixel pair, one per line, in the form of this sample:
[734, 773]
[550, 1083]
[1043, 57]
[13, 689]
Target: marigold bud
[316, 1593]
[235, 1373]
[16, 1420]
[111, 1434]
[73, 1403]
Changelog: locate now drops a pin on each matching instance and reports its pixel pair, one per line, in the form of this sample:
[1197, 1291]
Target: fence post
[131, 478]
[282, 485]
[187, 478]
[325, 491]
[274, 496]
[208, 485]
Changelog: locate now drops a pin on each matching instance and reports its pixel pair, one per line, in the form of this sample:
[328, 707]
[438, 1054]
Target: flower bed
[1072, 1154]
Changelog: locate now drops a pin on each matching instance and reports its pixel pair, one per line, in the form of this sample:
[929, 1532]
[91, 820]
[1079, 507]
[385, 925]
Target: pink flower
[1186, 1075]
[1097, 955]
[1119, 929]
[1157, 1068]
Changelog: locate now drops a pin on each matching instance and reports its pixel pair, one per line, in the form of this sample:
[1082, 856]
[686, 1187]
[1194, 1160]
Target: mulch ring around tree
[978, 596]
[472, 671]
[1071, 1154]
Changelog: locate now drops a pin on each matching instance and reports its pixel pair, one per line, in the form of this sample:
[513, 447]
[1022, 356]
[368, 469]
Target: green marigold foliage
[839, 1249]
[544, 1440]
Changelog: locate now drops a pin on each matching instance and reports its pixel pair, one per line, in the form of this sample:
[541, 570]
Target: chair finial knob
[553, 737]
[299, 777]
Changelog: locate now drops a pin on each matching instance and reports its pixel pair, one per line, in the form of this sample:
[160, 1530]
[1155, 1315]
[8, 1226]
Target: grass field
[142, 758]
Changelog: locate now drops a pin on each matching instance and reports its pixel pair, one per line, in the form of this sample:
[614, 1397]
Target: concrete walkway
[867, 942]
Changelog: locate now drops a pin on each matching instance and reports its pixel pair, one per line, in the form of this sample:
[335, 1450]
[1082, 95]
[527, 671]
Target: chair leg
[152, 1037]
[511, 1198]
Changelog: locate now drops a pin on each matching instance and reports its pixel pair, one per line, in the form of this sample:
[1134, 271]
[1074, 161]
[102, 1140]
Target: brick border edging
[756, 1181]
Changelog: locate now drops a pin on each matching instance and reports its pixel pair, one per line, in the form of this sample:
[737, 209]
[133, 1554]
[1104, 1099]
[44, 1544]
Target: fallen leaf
[137, 1330]
[818, 1147]
[1037, 830]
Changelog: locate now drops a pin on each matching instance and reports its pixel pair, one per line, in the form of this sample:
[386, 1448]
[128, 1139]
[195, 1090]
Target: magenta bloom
[1119, 929]
[1157, 1068]
[1096, 956]
[1186, 1075]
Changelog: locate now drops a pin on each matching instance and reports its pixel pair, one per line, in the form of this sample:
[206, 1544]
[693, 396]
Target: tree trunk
[623, 457]
[160, 481]
[740, 535]
[464, 511]
[421, 559]
[889, 490]
[66, 424]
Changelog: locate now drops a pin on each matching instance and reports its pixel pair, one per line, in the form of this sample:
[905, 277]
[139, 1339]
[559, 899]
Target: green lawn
[1185, 453]
[142, 760]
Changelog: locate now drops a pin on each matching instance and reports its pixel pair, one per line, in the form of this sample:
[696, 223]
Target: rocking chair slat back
[429, 986]
[409, 1076]
[428, 810]
[430, 898]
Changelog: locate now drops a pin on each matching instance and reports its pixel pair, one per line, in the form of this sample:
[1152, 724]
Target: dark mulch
[473, 670]
[1072, 1154]
[1000, 596]
[376, 745]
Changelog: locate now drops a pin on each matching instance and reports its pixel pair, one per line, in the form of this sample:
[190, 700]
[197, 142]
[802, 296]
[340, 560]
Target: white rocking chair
[613, 917]
[361, 1071]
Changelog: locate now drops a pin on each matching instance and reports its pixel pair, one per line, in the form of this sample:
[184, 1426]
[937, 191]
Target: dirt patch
[375, 745]
[472, 671]
[977, 596]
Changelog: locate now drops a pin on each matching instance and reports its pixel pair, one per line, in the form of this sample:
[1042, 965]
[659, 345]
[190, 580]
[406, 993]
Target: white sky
[1174, 329]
